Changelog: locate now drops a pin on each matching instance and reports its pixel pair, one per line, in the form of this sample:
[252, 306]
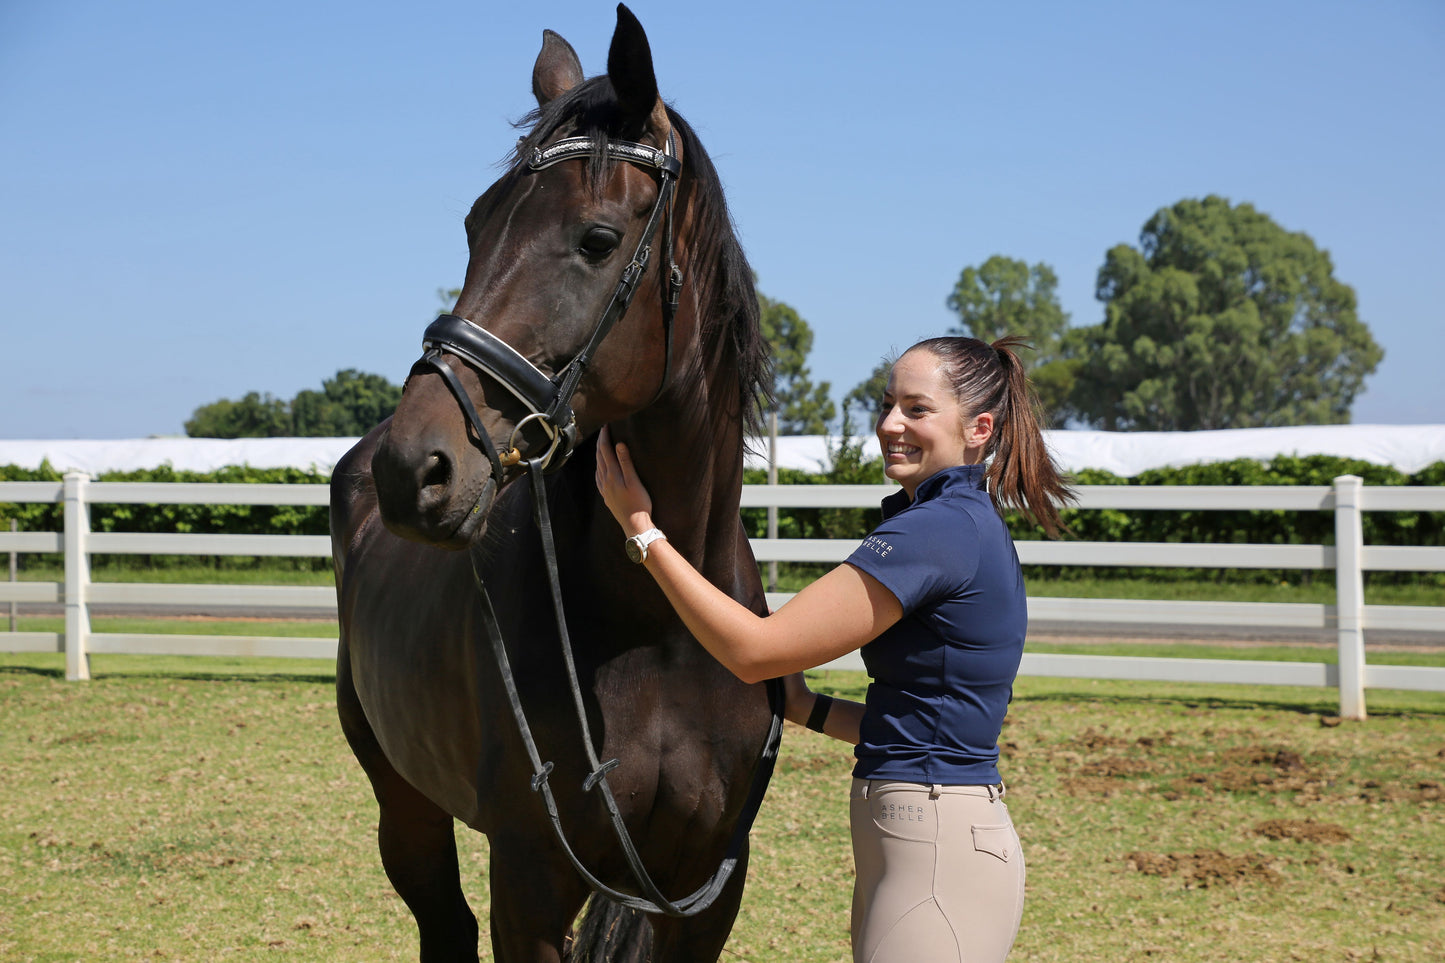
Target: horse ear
[629, 67]
[557, 69]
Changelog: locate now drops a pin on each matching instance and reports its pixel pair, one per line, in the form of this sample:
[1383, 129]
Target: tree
[352, 403]
[1221, 319]
[803, 407]
[349, 404]
[1005, 296]
[256, 415]
[866, 399]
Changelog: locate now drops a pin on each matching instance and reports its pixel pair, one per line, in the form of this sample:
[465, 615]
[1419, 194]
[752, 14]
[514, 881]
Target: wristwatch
[637, 544]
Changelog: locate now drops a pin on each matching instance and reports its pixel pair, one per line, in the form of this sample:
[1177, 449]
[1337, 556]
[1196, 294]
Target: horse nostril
[438, 472]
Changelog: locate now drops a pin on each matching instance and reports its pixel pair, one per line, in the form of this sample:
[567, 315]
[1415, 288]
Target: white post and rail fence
[1350, 618]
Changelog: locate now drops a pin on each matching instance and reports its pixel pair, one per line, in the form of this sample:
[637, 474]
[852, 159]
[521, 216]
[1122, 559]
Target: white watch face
[637, 544]
[635, 549]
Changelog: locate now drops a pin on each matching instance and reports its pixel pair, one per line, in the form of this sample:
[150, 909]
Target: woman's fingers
[614, 460]
[621, 488]
[607, 468]
[604, 450]
[624, 465]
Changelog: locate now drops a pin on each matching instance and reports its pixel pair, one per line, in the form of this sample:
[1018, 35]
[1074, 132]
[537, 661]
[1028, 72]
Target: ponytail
[1022, 474]
[991, 378]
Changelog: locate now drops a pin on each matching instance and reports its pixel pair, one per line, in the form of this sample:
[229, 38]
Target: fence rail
[1349, 558]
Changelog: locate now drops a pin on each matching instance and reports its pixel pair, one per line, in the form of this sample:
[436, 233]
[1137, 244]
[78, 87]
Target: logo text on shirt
[875, 544]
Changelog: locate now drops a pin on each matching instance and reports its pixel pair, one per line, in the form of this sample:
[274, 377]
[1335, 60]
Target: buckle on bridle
[512, 455]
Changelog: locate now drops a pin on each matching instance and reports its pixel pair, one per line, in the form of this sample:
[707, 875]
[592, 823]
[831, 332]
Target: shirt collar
[949, 480]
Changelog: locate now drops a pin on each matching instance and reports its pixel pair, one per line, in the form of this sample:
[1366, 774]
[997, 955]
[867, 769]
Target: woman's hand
[626, 497]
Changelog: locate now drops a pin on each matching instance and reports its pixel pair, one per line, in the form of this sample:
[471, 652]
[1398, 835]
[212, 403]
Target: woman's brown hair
[991, 378]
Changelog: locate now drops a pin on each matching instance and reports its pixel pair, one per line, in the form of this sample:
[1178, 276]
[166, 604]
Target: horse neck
[689, 448]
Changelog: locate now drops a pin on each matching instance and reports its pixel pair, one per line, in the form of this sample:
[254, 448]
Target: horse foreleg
[534, 900]
[701, 938]
[418, 846]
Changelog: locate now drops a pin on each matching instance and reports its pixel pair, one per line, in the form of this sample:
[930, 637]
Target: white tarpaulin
[1408, 448]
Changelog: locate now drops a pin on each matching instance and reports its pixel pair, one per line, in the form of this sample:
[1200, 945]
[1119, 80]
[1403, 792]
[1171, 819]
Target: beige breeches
[940, 873]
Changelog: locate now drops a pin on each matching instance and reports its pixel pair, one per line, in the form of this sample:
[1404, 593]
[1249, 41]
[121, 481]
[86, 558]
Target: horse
[455, 660]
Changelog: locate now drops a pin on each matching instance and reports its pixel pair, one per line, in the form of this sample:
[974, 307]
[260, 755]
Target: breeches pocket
[996, 840]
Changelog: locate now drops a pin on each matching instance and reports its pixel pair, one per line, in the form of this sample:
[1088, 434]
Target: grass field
[201, 809]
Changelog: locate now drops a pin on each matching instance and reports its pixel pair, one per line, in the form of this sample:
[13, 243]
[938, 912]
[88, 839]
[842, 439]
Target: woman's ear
[977, 435]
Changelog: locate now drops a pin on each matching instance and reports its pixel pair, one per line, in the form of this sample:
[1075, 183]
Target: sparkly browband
[618, 150]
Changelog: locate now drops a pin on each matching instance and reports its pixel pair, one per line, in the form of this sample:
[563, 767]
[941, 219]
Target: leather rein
[548, 400]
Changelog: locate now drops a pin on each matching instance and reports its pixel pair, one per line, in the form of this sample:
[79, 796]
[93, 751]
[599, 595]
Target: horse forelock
[717, 267]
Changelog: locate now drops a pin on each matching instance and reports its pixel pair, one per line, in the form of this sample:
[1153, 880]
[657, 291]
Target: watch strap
[637, 544]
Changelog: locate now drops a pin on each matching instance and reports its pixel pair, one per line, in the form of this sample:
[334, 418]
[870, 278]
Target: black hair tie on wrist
[819, 715]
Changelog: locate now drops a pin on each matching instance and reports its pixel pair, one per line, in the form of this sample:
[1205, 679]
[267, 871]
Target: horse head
[546, 342]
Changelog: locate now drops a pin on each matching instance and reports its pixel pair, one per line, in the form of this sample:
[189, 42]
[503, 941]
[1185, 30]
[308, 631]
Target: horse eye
[599, 242]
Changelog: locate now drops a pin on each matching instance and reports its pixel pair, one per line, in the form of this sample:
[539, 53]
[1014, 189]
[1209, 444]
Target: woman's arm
[844, 718]
[830, 617]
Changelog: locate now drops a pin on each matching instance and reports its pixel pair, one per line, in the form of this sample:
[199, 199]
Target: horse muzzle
[427, 491]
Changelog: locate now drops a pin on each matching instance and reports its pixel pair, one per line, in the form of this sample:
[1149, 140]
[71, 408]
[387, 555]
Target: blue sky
[198, 200]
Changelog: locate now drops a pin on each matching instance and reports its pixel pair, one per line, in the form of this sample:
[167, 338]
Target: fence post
[77, 577]
[772, 480]
[14, 606]
[1350, 595]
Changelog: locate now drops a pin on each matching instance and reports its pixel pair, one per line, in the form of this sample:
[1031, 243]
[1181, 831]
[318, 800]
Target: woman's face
[921, 429]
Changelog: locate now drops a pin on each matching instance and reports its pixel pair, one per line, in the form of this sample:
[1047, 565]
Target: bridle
[548, 399]
[549, 402]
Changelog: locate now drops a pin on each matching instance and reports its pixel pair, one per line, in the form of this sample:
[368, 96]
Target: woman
[935, 599]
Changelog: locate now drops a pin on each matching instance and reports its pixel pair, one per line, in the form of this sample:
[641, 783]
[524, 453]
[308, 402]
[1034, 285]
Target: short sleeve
[922, 555]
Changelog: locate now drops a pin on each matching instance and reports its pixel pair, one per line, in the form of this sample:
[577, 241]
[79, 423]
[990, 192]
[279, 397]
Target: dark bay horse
[433, 529]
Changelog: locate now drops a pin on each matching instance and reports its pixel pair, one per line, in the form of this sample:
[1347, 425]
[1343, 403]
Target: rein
[655, 902]
[549, 402]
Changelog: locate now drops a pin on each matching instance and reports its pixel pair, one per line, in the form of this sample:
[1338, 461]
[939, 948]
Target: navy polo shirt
[943, 675]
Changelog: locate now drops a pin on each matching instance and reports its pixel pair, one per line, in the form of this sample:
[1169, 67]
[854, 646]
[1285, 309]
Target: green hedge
[1113, 525]
[1255, 527]
[1110, 525]
[199, 519]
[850, 467]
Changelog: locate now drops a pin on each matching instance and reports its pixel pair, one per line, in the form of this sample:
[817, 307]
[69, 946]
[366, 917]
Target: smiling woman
[935, 599]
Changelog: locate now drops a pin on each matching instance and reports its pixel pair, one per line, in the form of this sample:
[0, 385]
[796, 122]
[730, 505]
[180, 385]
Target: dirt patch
[1258, 769]
[1204, 868]
[1117, 766]
[1279, 759]
[1420, 791]
[1094, 740]
[1093, 786]
[1302, 831]
[1241, 779]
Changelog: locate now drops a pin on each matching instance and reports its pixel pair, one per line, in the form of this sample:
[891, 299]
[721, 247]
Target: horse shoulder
[353, 494]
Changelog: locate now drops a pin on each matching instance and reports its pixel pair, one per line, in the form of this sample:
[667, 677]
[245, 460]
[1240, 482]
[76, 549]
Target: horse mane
[719, 268]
